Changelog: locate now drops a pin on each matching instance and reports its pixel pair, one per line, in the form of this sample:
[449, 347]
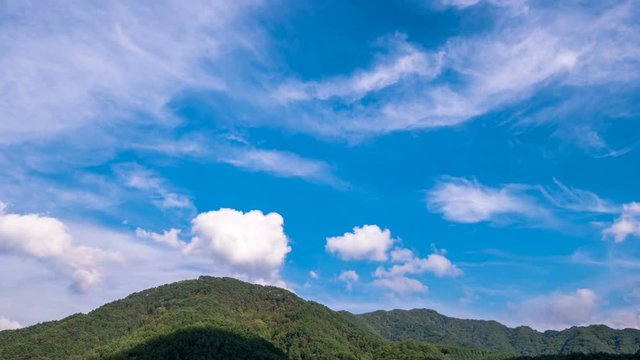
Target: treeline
[213, 318]
[428, 325]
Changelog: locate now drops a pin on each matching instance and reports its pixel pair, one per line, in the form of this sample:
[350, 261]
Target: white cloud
[368, 242]
[145, 265]
[280, 163]
[314, 275]
[6, 324]
[395, 278]
[460, 3]
[581, 308]
[628, 224]
[404, 61]
[170, 237]
[436, 264]
[349, 277]
[92, 65]
[468, 298]
[467, 201]
[579, 200]
[137, 177]
[621, 318]
[401, 255]
[560, 310]
[401, 285]
[510, 7]
[252, 244]
[529, 49]
[47, 239]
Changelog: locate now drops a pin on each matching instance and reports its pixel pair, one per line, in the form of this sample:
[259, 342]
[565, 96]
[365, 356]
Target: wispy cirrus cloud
[280, 163]
[569, 198]
[147, 181]
[468, 201]
[403, 61]
[72, 66]
[531, 50]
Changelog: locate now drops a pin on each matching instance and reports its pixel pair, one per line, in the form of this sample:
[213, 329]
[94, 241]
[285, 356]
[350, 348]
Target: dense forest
[428, 325]
[224, 318]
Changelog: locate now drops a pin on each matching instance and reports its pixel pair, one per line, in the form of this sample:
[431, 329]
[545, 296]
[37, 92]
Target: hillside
[214, 318]
[430, 326]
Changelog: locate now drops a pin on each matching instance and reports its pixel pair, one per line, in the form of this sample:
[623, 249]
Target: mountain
[430, 326]
[224, 318]
[214, 318]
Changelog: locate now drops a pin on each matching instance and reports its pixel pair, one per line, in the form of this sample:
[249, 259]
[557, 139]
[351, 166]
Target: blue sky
[477, 157]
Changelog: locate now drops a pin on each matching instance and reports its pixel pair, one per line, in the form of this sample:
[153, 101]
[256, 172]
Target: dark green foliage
[223, 318]
[428, 325]
[213, 318]
[203, 343]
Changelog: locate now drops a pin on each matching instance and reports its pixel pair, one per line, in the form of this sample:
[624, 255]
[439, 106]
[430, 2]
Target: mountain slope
[213, 318]
[428, 325]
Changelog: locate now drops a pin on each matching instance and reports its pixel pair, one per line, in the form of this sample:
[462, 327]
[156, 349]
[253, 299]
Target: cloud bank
[47, 239]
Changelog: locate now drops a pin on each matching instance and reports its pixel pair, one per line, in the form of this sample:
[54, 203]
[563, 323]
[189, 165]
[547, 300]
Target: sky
[476, 157]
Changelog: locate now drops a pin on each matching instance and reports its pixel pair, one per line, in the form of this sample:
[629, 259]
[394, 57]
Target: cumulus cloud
[367, 242]
[561, 310]
[349, 277]
[580, 308]
[169, 237]
[628, 224]
[624, 318]
[401, 285]
[6, 324]
[467, 201]
[47, 239]
[436, 264]
[401, 255]
[407, 263]
[252, 244]
[146, 265]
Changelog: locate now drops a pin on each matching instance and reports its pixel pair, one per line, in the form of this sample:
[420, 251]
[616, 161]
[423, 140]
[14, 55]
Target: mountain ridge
[220, 318]
[429, 325]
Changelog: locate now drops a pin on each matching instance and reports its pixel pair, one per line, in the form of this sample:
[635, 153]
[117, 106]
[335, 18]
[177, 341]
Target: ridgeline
[224, 318]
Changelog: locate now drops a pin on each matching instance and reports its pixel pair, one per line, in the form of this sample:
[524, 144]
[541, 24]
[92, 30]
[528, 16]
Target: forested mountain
[213, 318]
[430, 326]
[224, 318]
